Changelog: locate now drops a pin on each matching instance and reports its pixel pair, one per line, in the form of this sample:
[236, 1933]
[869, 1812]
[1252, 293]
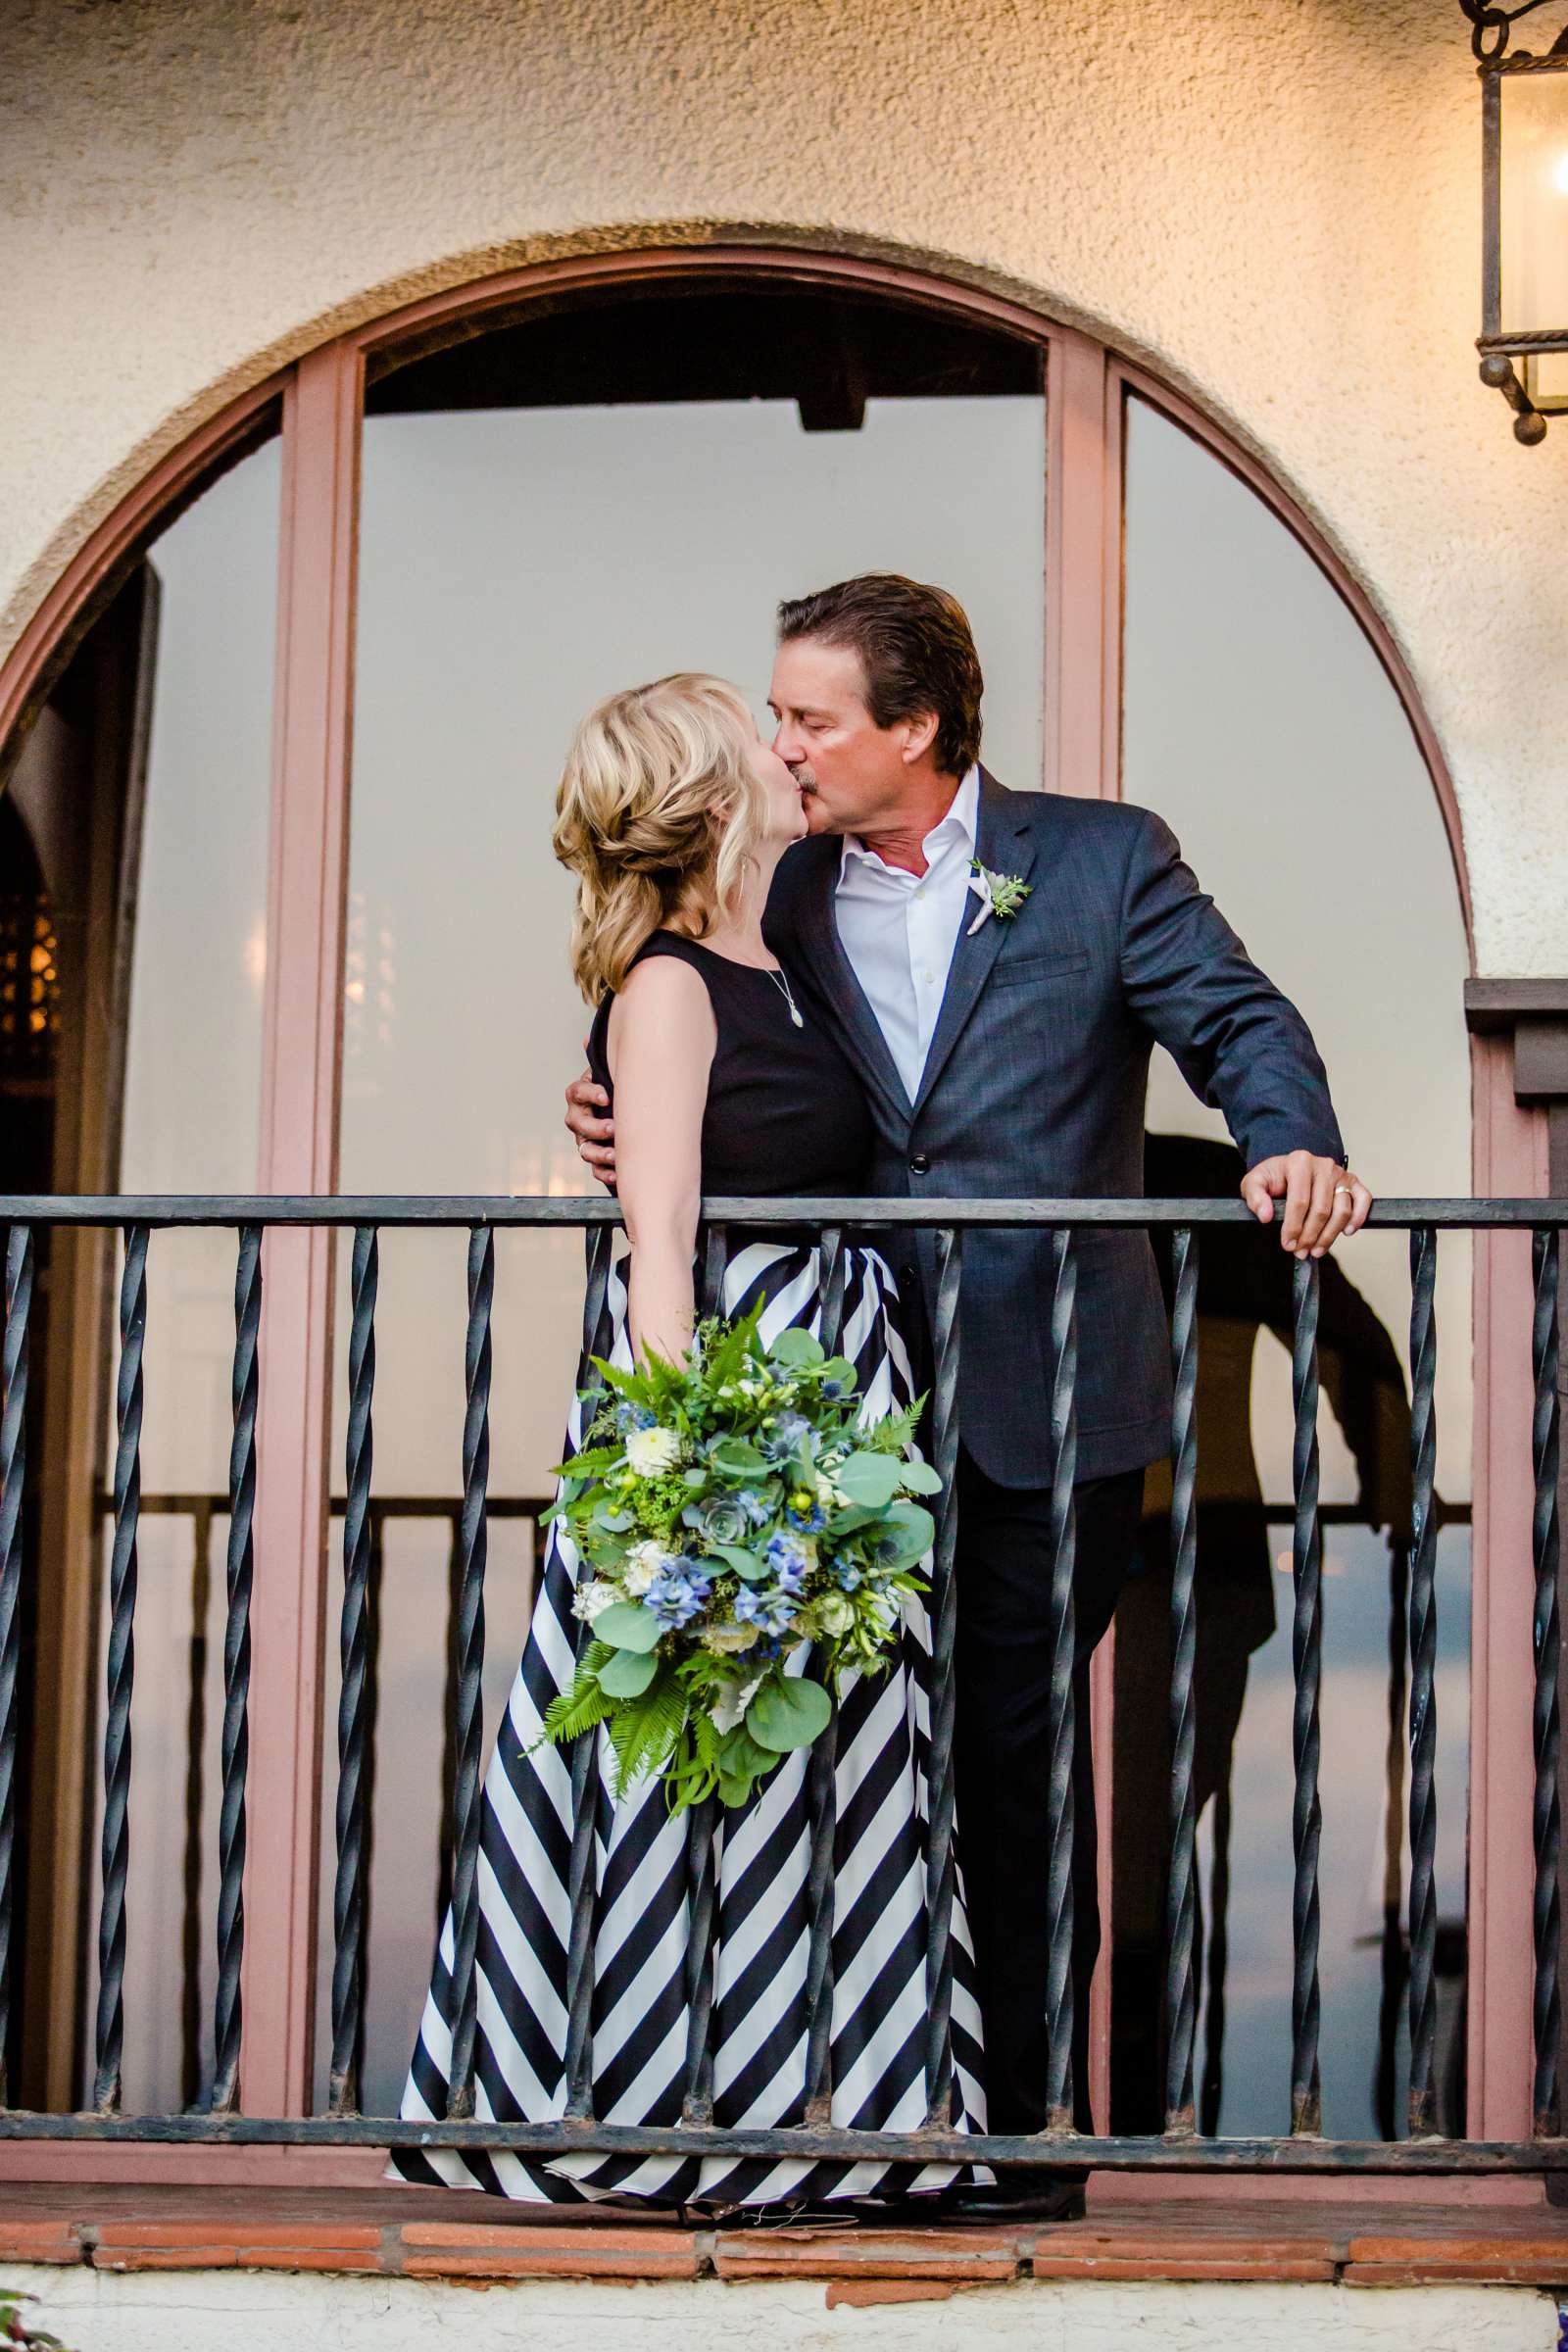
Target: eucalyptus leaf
[796, 1348]
[843, 1523]
[746, 1564]
[736, 1457]
[919, 1478]
[626, 1675]
[738, 1752]
[788, 1713]
[911, 1527]
[870, 1479]
[626, 1627]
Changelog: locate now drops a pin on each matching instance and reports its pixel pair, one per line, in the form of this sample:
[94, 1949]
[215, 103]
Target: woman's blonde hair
[660, 816]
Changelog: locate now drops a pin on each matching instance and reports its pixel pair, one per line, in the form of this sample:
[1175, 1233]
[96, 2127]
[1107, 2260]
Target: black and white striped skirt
[764, 1922]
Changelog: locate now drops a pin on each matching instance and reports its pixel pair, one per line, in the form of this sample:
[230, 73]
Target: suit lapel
[1007, 846]
[819, 932]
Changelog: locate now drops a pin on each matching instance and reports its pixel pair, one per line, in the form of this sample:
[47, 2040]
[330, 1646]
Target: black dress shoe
[1028, 2193]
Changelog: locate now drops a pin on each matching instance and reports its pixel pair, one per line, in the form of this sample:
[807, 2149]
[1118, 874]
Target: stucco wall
[99, 2311]
[1275, 204]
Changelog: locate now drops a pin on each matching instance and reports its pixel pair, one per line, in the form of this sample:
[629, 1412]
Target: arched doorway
[489, 508]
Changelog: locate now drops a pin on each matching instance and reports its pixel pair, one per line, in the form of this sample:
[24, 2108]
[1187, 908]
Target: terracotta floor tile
[913, 2254]
[861, 2292]
[542, 2260]
[53, 2241]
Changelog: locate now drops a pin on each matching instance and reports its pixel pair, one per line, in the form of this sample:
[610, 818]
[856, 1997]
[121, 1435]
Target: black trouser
[1003, 1756]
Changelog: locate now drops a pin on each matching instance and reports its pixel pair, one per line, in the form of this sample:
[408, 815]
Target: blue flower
[787, 1435]
[770, 1608]
[758, 1512]
[809, 1521]
[633, 1416]
[786, 1554]
[845, 1572]
[679, 1593]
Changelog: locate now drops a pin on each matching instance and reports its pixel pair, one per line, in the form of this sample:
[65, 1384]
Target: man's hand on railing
[1322, 1199]
[586, 1107]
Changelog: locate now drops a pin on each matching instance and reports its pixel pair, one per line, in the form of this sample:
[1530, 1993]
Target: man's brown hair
[915, 650]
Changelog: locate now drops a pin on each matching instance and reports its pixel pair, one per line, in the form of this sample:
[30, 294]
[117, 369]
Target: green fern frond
[643, 1730]
[575, 1711]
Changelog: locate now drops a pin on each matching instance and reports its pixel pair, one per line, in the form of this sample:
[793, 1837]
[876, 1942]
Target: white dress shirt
[900, 930]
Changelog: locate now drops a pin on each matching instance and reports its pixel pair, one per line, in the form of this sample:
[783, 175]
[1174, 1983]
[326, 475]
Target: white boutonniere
[1001, 894]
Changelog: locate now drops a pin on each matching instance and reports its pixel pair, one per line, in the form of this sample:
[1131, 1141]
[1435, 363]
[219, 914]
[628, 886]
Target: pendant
[795, 1018]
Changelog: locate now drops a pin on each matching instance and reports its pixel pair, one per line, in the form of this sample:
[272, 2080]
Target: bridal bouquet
[736, 1519]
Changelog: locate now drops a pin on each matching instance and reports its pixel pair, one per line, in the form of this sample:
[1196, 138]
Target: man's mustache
[805, 778]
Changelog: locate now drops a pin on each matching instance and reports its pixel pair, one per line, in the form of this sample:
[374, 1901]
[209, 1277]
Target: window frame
[1087, 388]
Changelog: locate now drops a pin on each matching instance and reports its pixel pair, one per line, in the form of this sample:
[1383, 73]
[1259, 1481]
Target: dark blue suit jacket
[1035, 1086]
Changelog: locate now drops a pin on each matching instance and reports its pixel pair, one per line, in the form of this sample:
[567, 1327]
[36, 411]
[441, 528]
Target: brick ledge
[416, 2233]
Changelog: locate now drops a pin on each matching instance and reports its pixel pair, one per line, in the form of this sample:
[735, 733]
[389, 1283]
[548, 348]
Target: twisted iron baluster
[1546, 1534]
[1063, 1710]
[942, 1606]
[715, 1252]
[111, 2020]
[354, 1651]
[702, 1833]
[1181, 1904]
[13, 1474]
[468, 1795]
[190, 1923]
[1306, 2094]
[821, 1793]
[702, 1914]
[1421, 2112]
[237, 1673]
[582, 1877]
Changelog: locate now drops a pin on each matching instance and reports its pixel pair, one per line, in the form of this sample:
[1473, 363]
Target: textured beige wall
[1274, 204]
[191, 2311]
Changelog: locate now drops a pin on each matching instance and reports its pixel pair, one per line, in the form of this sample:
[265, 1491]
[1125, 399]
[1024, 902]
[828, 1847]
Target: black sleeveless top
[786, 1112]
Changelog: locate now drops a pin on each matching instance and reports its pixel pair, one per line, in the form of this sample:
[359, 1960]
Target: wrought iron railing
[1180, 2147]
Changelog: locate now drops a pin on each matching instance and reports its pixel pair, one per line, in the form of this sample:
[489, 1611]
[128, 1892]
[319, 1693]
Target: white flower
[728, 1708]
[593, 1599]
[1001, 894]
[731, 1637]
[641, 1563]
[651, 1452]
[835, 1613]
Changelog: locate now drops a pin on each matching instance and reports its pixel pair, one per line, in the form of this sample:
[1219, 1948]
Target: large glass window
[193, 1045]
[520, 560]
[1261, 725]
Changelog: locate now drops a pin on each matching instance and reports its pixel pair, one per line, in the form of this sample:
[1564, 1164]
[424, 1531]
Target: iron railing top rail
[575, 1210]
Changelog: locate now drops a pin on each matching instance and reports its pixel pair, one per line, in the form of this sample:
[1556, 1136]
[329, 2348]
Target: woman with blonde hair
[674, 816]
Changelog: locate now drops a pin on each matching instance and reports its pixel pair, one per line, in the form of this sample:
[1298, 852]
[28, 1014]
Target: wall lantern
[1523, 199]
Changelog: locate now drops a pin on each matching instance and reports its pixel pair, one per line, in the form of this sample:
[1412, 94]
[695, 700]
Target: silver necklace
[781, 982]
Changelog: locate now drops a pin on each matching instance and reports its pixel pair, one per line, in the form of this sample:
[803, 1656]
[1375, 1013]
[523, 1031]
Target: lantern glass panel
[1535, 221]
